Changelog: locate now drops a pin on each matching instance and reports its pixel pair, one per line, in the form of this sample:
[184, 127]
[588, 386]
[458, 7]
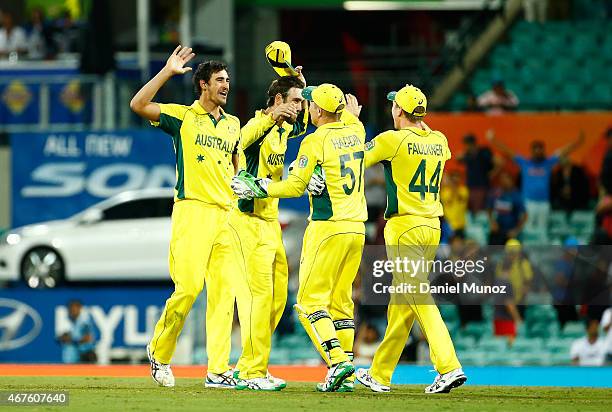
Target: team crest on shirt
[369, 145]
[199, 121]
[302, 162]
[231, 129]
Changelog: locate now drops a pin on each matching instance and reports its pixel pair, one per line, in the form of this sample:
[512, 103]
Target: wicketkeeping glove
[246, 186]
[316, 185]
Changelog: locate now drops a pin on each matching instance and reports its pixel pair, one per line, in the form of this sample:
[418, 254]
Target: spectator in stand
[366, 343]
[564, 301]
[603, 230]
[606, 324]
[471, 103]
[506, 316]
[498, 100]
[478, 161]
[78, 340]
[12, 38]
[535, 10]
[454, 197]
[605, 178]
[569, 187]
[519, 271]
[535, 177]
[39, 35]
[66, 33]
[507, 214]
[591, 349]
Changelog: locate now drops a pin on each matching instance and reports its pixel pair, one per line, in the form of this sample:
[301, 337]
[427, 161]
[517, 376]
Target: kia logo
[20, 324]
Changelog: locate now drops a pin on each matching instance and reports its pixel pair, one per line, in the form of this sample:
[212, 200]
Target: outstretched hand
[352, 105]
[177, 60]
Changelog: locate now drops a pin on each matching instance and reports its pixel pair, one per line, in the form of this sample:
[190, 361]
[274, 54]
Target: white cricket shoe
[160, 372]
[444, 383]
[277, 381]
[223, 380]
[364, 377]
[336, 375]
[257, 384]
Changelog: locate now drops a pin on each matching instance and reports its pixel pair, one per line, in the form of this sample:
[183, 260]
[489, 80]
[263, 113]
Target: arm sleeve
[606, 318]
[171, 117]
[353, 122]
[520, 161]
[299, 128]
[309, 155]
[552, 160]
[382, 147]
[575, 350]
[255, 129]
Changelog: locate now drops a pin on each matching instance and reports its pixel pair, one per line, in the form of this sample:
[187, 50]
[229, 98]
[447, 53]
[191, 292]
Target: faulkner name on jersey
[214, 142]
[425, 149]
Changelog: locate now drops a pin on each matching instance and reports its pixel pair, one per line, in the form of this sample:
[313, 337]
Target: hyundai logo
[20, 324]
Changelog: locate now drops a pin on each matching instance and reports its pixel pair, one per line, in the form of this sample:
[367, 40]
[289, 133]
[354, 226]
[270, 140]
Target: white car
[125, 237]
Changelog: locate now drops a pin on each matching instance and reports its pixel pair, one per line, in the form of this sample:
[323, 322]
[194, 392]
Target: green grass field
[140, 394]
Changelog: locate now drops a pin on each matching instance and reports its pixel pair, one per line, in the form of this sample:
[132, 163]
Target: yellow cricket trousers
[202, 248]
[415, 237]
[331, 255]
[261, 290]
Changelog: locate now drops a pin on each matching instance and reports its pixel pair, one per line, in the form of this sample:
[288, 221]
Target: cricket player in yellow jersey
[334, 239]
[205, 141]
[262, 296]
[413, 157]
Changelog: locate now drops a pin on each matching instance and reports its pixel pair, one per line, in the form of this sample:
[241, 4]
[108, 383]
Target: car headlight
[10, 239]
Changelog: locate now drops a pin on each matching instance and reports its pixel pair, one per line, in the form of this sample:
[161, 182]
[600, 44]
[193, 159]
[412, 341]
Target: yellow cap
[278, 54]
[327, 96]
[411, 99]
[513, 245]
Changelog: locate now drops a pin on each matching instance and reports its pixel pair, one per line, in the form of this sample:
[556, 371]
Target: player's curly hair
[204, 72]
[282, 86]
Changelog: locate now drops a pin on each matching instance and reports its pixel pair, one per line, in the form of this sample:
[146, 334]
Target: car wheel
[42, 268]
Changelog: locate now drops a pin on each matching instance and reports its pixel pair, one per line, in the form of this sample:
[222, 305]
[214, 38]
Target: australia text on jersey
[214, 142]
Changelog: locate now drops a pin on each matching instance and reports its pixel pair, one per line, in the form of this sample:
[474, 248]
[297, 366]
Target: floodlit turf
[136, 394]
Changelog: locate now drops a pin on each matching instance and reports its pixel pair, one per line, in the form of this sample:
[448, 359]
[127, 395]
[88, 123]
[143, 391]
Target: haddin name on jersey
[346, 142]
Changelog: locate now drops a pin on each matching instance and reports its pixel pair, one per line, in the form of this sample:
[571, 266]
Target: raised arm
[141, 103]
[566, 150]
[499, 145]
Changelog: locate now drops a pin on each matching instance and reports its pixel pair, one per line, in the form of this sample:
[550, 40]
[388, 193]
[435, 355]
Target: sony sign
[67, 179]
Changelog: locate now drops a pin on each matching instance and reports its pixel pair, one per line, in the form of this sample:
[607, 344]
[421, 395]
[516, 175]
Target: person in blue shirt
[506, 211]
[78, 341]
[536, 173]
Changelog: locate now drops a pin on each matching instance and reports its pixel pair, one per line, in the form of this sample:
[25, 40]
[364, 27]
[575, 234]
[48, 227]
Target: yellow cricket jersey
[455, 202]
[263, 145]
[339, 148]
[204, 148]
[413, 160]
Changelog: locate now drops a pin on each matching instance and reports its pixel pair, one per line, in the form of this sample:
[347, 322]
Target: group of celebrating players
[235, 245]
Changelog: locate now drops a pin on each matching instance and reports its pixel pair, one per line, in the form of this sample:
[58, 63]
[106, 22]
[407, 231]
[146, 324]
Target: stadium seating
[552, 66]
[579, 224]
